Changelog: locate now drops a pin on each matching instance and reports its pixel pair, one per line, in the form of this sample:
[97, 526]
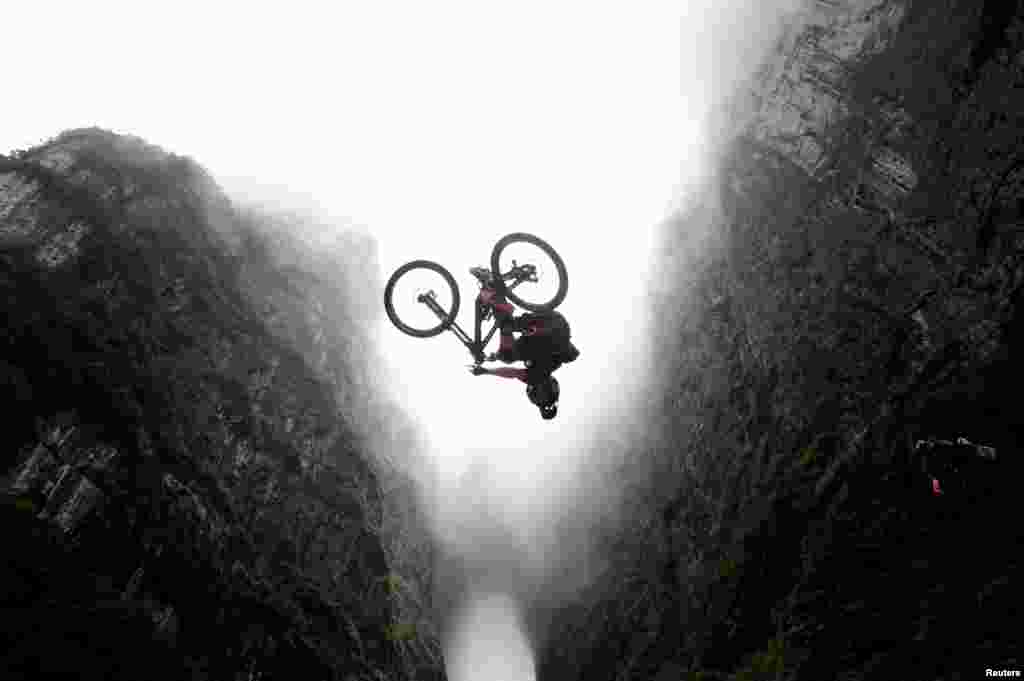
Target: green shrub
[809, 455]
[392, 583]
[764, 665]
[25, 504]
[400, 631]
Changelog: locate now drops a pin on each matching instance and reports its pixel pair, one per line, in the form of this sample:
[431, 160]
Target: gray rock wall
[185, 492]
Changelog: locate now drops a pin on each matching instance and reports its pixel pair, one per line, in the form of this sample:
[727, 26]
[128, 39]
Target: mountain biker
[544, 345]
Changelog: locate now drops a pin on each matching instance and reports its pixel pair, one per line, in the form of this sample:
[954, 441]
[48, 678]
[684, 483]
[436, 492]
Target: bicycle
[504, 283]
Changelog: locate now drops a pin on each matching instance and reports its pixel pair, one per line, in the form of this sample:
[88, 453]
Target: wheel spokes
[421, 298]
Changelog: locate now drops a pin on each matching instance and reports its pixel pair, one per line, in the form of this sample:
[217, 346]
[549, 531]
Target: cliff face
[186, 494]
[867, 291]
[798, 94]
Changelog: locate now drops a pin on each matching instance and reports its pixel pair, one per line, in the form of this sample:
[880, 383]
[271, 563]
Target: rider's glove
[477, 370]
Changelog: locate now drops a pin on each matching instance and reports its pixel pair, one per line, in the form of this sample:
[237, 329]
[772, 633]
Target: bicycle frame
[476, 344]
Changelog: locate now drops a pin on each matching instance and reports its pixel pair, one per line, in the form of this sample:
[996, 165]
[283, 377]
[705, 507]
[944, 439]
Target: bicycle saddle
[482, 274]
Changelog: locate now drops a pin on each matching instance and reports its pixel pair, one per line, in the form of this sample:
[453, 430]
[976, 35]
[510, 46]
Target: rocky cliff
[188, 492]
[865, 290]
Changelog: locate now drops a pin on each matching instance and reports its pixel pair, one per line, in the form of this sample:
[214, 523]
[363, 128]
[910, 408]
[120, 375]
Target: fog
[439, 127]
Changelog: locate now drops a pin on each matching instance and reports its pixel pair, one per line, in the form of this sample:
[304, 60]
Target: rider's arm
[508, 372]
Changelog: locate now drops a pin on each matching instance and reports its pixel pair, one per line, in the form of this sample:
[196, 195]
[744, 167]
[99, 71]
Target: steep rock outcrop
[186, 496]
[798, 95]
[866, 291]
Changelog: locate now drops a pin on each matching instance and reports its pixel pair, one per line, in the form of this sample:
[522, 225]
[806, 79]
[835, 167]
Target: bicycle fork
[475, 346]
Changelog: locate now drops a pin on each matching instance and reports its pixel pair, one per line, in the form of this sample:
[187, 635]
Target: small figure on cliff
[543, 346]
[951, 465]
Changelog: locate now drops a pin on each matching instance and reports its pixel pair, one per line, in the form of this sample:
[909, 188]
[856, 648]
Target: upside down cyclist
[543, 346]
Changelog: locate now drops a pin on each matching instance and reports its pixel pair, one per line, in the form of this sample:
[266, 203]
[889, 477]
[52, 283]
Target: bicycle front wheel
[405, 298]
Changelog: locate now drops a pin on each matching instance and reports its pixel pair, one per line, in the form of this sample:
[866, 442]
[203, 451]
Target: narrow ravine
[792, 238]
[597, 175]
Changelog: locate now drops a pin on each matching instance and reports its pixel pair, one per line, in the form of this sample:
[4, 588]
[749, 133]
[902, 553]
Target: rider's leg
[507, 350]
[503, 312]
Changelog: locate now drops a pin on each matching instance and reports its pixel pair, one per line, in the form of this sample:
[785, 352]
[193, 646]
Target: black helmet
[544, 394]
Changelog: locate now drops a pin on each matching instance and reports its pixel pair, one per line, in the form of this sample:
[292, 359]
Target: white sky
[439, 126]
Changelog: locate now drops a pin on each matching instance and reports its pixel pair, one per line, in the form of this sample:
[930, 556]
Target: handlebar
[521, 273]
[517, 275]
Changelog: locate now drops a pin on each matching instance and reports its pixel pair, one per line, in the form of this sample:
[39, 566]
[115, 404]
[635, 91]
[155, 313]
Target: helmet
[544, 394]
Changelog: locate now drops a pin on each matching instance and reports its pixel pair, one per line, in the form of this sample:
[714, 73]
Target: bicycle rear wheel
[553, 279]
[414, 321]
